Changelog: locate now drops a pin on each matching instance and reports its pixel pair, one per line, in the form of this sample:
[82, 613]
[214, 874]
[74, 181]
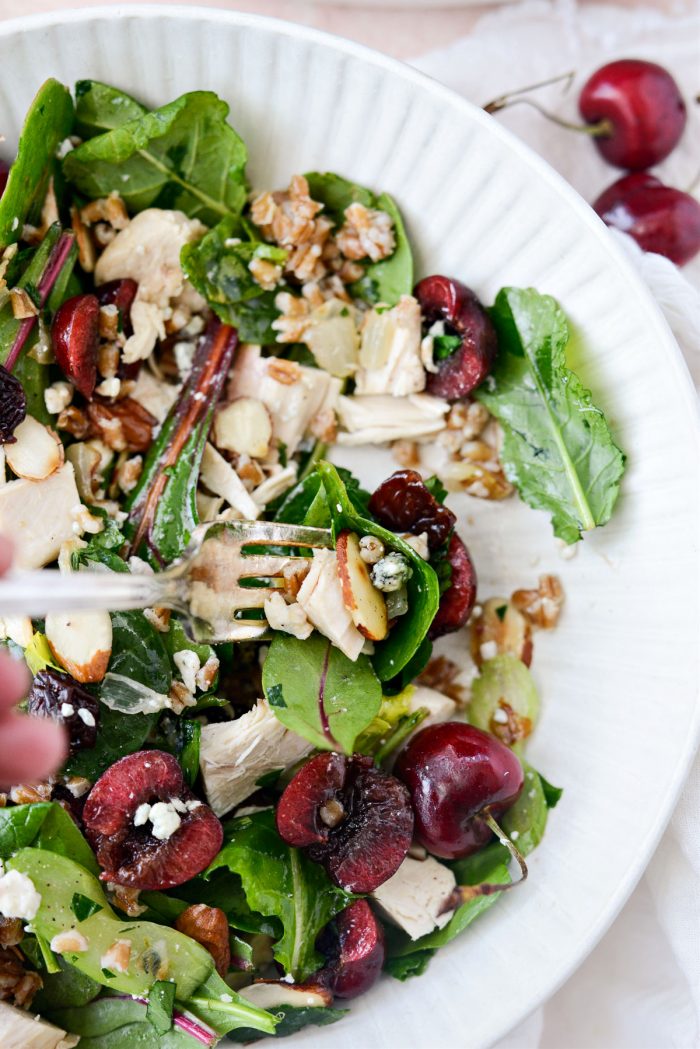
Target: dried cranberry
[131, 854]
[458, 600]
[354, 947]
[75, 336]
[57, 695]
[404, 504]
[13, 405]
[444, 299]
[349, 816]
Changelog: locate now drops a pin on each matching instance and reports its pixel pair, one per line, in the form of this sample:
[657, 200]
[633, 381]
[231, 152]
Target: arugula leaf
[292, 1020]
[48, 122]
[100, 108]
[162, 507]
[436, 488]
[384, 281]
[409, 633]
[218, 267]
[183, 156]
[281, 882]
[558, 450]
[161, 999]
[317, 692]
[552, 794]
[224, 1010]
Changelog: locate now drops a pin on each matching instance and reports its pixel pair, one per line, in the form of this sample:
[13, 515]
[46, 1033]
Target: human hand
[31, 748]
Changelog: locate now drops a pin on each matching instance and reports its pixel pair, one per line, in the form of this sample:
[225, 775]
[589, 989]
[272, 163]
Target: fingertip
[31, 748]
[5, 554]
[14, 680]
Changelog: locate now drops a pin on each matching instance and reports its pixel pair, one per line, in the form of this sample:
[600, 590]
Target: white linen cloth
[640, 988]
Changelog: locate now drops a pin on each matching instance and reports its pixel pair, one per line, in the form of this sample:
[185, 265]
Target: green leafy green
[557, 450]
[161, 999]
[118, 1023]
[384, 281]
[488, 865]
[409, 633]
[552, 794]
[176, 640]
[526, 820]
[225, 1011]
[119, 734]
[317, 692]
[68, 988]
[100, 108]
[292, 1020]
[162, 507]
[38, 654]
[218, 267]
[48, 122]
[45, 825]
[19, 826]
[83, 906]
[223, 889]
[445, 345]
[392, 711]
[307, 503]
[183, 156]
[281, 882]
[138, 651]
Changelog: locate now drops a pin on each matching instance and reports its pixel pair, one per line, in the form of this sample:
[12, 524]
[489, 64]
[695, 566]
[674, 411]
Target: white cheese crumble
[18, 897]
[488, 650]
[67, 710]
[188, 665]
[391, 572]
[87, 717]
[57, 397]
[163, 816]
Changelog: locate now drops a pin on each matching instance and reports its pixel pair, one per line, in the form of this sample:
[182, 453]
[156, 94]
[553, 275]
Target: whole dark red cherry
[642, 107]
[455, 773]
[660, 218]
[354, 947]
[444, 299]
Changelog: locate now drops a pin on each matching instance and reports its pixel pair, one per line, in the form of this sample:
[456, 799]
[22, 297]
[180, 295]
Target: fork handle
[49, 590]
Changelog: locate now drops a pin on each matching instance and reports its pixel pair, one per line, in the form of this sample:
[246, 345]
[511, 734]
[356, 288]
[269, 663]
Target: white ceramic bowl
[619, 677]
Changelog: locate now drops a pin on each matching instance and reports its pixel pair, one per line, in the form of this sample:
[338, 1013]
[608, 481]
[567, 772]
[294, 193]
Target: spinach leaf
[489, 864]
[552, 794]
[408, 965]
[176, 640]
[558, 450]
[59, 834]
[189, 749]
[68, 988]
[415, 666]
[44, 825]
[223, 889]
[162, 507]
[317, 692]
[19, 826]
[48, 122]
[292, 1020]
[307, 503]
[119, 734]
[161, 908]
[281, 882]
[183, 156]
[384, 281]
[218, 267]
[161, 999]
[526, 820]
[408, 634]
[99, 108]
[138, 651]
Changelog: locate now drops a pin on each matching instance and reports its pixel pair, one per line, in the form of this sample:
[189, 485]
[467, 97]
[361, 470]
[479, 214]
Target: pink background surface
[402, 33]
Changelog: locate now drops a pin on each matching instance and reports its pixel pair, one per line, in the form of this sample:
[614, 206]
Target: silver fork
[219, 586]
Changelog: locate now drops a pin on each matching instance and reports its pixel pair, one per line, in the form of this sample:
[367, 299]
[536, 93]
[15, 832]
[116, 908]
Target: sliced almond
[19, 629]
[36, 452]
[82, 642]
[498, 629]
[244, 427]
[363, 601]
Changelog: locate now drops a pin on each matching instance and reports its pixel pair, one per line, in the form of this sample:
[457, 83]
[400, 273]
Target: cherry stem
[603, 129]
[503, 100]
[464, 893]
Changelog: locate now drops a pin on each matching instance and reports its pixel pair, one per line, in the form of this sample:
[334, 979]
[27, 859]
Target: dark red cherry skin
[644, 107]
[660, 218]
[354, 947]
[120, 293]
[75, 336]
[368, 833]
[131, 855]
[457, 602]
[454, 773]
[402, 503]
[4, 175]
[444, 299]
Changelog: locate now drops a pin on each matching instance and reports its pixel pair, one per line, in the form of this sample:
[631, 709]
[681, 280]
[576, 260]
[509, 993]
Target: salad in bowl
[250, 828]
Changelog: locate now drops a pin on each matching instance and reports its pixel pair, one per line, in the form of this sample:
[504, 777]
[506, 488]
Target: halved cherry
[75, 335]
[354, 947]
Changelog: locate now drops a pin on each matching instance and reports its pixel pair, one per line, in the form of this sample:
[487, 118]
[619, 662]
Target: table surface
[401, 33]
